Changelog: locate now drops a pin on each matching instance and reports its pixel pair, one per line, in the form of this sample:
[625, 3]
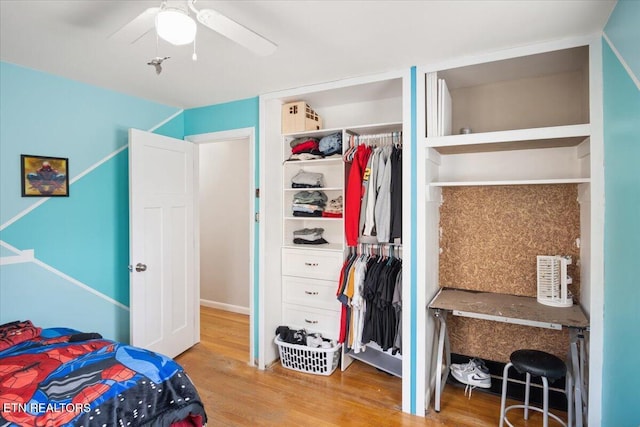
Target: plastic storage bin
[319, 361]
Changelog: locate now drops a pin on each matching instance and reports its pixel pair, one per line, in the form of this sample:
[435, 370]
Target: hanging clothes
[342, 283]
[396, 194]
[382, 210]
[380, 180]
[369, 214]
[371, 298]
[397, 305]
[354, 194]
[366, 178]
[370, 285]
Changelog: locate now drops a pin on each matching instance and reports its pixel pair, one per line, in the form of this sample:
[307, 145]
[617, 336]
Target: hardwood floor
[236, 394]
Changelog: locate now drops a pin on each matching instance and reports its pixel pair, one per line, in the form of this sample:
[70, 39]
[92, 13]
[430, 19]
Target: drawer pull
[311, 264]
[310, 293]
[313, 322]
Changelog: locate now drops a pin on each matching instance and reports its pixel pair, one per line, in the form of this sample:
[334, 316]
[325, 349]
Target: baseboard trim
[225, 307]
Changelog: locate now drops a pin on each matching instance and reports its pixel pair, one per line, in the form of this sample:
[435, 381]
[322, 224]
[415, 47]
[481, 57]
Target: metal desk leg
[577, 369]
[443, 350]
[582, 355]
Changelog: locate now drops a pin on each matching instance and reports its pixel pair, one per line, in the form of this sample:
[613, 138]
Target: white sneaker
[474, 373]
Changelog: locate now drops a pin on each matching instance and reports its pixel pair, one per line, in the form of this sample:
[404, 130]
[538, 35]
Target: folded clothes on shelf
[331, 144]
[308, 203]
[308, 233]
[310, 197]
[309, 236]
[334, 205]
[299, 141]
[305, 156]
[307, 179]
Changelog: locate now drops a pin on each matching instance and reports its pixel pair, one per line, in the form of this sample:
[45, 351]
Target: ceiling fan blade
[236, 32]
[136, 28]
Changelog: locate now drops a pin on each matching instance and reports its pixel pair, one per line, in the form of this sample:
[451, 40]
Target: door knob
[141, 267]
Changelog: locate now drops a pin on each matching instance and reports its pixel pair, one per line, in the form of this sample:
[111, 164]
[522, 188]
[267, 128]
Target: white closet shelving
[332, 169]
[528, 118]
[309, 271]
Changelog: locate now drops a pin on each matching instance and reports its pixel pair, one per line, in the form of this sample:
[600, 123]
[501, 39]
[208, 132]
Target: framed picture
[43, 176]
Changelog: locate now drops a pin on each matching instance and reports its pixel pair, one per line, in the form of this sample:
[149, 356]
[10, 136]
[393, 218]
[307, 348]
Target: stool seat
[538, 363]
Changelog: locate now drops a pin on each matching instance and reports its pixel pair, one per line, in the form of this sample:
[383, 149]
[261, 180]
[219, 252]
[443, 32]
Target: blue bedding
[63, 377]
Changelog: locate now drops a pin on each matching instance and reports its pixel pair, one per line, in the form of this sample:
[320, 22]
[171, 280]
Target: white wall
[224, 229]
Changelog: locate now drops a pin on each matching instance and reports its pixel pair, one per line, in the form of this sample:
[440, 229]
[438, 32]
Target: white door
[164, 308]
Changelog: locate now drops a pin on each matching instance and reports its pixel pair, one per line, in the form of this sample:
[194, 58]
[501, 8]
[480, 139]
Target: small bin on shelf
[319, 361]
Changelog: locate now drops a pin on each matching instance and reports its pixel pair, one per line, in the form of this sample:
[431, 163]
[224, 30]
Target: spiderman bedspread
[62, 378]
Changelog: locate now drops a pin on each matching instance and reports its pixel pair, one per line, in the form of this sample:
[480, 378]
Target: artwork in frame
[43, 176]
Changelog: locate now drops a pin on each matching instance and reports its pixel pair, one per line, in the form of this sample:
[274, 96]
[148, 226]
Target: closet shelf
[312, 218]
[375, 128]
[379, 359]
[313, 133]
[544, 137]
[511, 182]
[314, 189]
[328, 247]
[325, 161]
[357, 129]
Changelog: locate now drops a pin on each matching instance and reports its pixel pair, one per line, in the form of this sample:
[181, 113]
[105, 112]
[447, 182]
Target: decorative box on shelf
[299, 117]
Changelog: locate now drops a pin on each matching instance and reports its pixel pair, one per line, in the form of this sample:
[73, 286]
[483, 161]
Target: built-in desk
[510, 309]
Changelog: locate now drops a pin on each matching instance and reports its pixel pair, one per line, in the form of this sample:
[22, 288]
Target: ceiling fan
[174, 24]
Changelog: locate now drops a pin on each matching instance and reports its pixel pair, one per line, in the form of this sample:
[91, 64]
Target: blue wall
[233, 115]
[79, 278]
[621, 401]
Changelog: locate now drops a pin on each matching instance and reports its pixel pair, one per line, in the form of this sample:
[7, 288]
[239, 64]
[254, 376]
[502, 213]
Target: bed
[60, 376]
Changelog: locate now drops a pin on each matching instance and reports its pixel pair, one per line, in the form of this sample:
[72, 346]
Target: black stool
[539, 364]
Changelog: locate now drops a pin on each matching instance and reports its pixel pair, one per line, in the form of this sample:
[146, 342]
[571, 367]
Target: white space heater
[553, 281]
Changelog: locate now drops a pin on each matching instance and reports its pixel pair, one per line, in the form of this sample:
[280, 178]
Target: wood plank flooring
[236, 394]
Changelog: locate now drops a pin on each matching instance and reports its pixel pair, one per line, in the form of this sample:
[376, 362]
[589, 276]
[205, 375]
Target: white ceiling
[318, 41]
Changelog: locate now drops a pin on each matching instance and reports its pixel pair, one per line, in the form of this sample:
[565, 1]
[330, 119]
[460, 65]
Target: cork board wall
[490, 237]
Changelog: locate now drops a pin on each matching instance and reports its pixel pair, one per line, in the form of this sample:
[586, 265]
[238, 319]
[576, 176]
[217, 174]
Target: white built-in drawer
[323, 265]
[310, 292]
[326, 322]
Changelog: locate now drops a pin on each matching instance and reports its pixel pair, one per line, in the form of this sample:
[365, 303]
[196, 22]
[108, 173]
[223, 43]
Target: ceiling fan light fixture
[175, 26]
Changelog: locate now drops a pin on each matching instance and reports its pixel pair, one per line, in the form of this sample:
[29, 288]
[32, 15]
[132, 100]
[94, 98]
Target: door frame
[223, 136]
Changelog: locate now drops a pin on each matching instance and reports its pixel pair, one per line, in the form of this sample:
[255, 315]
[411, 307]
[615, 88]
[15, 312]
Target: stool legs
[503, 400]
[545, 402]
[545, 399]
[526, 397]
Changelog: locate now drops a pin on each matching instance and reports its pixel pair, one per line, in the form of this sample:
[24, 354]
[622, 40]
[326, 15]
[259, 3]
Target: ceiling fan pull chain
[194, 56]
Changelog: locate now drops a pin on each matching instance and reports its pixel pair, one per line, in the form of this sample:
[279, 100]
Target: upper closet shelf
[511, 182]
[359, 130]
[544, 137]
[375, 128]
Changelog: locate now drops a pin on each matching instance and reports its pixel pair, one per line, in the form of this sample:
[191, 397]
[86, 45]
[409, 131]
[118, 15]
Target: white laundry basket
[319, 361]
[553, 281]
